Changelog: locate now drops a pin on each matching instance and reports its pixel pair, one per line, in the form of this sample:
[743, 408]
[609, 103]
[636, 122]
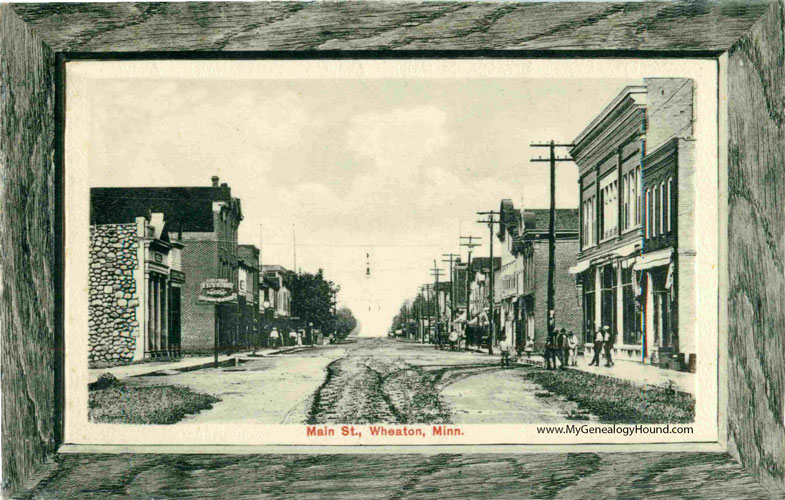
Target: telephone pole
[552, 224]
[491, 220]
[452, 259]
[469, 242]
[427, 288]
[436, 272]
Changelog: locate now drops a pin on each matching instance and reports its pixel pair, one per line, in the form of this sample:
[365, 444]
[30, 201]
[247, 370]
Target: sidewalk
[629, 371]
[185, 364]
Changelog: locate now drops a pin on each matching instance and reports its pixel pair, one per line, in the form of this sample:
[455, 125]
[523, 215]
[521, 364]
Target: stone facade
[113, 300]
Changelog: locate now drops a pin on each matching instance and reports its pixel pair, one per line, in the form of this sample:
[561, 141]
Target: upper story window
[669, 199]
[631, 198]
[587, 224]
[609, 209]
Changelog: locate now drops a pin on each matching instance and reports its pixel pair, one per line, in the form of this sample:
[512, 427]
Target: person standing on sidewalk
[274, 338]
[572, 345]
[598, 340]
[608, 341]
[561, 348]
[504, 347]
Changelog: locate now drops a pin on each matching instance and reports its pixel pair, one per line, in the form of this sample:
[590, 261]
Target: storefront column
[157, 297]
[648, 314]
[619, 305]
[597, 300]
[164, 314]
[150, 316]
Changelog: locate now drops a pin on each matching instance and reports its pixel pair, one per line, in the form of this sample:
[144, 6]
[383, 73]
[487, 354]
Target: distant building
[135, 281]
[248, 294]
[275, 300]
[205, 220]
[636, 261]
[521, 288]
[479, 299]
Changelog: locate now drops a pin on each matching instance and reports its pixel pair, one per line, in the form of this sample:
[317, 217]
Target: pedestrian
[598, 340]
[572, 343]
[453, 339]
[608, 341]
[561, 348]
[274, 336]
[550, 362]
[504, 347]
[529, 347]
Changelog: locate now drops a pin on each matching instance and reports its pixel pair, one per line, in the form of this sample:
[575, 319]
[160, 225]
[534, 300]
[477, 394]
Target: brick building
[205, 220]
[529, 286]
[634, 250]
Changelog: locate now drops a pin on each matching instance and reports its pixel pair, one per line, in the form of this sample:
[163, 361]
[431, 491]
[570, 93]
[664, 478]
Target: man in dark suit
[608, 340]
[598, 340]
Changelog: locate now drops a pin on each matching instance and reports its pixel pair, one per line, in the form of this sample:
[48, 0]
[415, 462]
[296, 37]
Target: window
[626, 200]
[670, 202]
[588, 222]
[647, 214]
[609, 215]
[655, 212]
[637, 188]
[662, 207]
[608, 304]
[588, 306]
[632, 318]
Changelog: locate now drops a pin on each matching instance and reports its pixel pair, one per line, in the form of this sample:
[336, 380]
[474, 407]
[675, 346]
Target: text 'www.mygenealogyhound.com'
[623, 430]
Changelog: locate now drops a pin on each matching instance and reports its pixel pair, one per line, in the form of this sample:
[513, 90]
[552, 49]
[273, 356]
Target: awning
[481, 319]
[627, 250]
[654, 259]
[580, 267]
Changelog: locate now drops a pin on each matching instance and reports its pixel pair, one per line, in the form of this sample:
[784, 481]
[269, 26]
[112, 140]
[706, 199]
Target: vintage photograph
[437, 252]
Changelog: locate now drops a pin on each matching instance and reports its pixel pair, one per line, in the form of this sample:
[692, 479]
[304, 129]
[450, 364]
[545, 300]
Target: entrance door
[175, 328]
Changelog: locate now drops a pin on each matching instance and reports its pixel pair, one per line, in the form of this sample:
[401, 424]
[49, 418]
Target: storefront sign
[217, 291]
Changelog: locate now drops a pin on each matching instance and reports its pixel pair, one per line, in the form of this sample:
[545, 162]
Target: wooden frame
[748, 40]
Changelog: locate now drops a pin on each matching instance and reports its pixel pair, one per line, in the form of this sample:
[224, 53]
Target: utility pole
[427, 287]
[452, 258]
[469, 242]
[491, 220]
[552, 225]
[436, 272]
[294, 249]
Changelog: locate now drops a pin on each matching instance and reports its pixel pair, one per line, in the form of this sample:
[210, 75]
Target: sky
[391, 168]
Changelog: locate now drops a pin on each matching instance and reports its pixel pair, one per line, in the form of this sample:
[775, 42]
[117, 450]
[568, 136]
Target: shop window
[632, 319]
[588, 307]
[608, 304]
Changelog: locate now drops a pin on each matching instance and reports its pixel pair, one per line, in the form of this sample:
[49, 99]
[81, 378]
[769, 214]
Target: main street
[371, 380]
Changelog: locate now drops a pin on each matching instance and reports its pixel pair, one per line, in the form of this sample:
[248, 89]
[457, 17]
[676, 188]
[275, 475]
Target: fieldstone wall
[113, 295]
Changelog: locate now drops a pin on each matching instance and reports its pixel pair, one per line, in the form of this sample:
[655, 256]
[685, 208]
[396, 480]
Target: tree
[311, 297]
[345, 322]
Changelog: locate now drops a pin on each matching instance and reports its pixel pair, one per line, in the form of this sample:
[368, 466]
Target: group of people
[563, 346]
[603, 340]
[276, 339]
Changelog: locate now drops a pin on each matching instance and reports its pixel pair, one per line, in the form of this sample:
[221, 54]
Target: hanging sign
[217, 291]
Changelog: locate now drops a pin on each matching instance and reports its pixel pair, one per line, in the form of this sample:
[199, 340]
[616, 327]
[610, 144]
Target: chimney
[224, 185]
[215, 181]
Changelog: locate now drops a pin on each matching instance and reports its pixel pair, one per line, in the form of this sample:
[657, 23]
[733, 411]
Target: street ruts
[364, 388]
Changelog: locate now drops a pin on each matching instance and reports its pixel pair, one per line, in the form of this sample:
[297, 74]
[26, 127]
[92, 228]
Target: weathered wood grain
[756, 237]
[264, 26]
[26, 249]
[648, 476]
